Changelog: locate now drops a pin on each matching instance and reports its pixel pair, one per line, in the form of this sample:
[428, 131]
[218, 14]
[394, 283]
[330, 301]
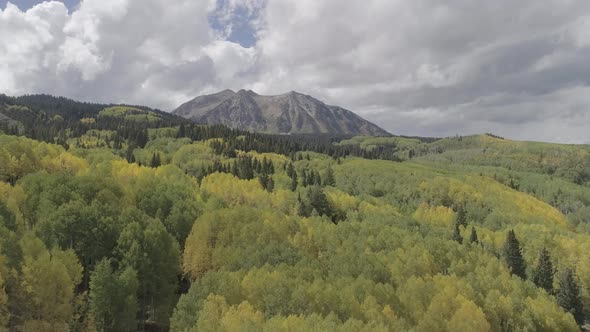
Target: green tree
[329, 179]
[457, 234]
[155, 162]
[113, 298]
[149, 249]
[473, 237]
[48, 281]
[270, 184]
[290, 170]
[293, 184]
[543, 272]
[568, 295]
[513, 255]
[129, 154]
[319, 201]
[461, 217]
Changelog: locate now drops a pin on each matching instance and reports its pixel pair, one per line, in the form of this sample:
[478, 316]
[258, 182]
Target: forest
[125, 218]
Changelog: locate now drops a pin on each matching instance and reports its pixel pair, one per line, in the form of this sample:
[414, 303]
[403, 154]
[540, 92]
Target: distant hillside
[571, 162]
[292, 113]
[52, 119]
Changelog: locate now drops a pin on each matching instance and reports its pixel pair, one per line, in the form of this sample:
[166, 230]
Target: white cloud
[137, 51]
[28, 43]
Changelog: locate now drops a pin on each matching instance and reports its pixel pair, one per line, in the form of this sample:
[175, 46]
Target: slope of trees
[171, 226]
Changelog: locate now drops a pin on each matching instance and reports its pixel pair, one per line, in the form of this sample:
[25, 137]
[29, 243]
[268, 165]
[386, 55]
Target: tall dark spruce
[513, 255]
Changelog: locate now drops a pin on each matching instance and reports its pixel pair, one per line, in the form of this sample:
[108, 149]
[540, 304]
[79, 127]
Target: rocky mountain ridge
[289, 113]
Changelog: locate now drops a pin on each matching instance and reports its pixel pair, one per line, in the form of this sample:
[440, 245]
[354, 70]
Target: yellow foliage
[196, 259]
[277, 159]
[233, 191]
[13, 198]
[217, 315]
[434, 215]
[196, 153]
[342, 200]
[87, 120]
[65, 162]
[469, 317]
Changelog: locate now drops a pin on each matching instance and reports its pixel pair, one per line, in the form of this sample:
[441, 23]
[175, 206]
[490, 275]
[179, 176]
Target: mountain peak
[247, 92]
[298, 114]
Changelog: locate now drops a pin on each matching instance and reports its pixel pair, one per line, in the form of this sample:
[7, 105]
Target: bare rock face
[291, 112]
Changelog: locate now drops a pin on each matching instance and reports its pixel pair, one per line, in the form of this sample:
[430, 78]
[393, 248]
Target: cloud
[145, 52]
[438, 68]
[425, 67]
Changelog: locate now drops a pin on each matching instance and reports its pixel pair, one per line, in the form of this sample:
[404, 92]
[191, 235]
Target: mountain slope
[291, 112]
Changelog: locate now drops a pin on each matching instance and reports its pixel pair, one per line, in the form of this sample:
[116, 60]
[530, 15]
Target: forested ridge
[125, 218]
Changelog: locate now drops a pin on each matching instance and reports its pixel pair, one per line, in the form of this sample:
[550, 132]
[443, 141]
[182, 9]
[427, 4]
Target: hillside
[140, 220]
[292, 112]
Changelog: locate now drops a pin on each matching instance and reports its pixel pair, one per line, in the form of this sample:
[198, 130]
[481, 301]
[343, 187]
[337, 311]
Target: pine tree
[303, 210]
[457, 234]
[513, 254]
[473, 238]
[319, 201]
[329, 179]
[181, 131]
[317, 179]
[235, 170]
[543, 273]
[155, 160]
[129, 155]
[568, 296]
[267, 182]
[310, 178]
[290, 170]
[461, 217]
[293, 185]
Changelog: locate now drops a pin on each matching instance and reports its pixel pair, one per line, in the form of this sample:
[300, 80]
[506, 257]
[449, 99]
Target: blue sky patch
[239, 20]
[27, 4]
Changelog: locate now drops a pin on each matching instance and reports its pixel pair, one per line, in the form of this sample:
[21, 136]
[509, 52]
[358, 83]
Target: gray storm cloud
[518, 69]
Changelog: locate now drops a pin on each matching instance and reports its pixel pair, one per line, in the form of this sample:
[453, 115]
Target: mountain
[291, 112]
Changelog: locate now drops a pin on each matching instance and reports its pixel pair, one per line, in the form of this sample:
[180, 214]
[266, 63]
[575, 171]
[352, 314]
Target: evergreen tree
[461, 217]
[129, 155]
[235, 171]
[155, 160]
[457, 234]
[329, 179]
[290, 170]
[319, 201]
[317, 179]
[568, 296]
[543, 273]
[256, 166]
[473, 238]
[513, 254]
[293, 185]
[310, 178]
[270, 184]
[263, 180]
[181, 131]
[303, 210]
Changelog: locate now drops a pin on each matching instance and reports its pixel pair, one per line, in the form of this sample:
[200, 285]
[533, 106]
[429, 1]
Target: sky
[518, 69]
